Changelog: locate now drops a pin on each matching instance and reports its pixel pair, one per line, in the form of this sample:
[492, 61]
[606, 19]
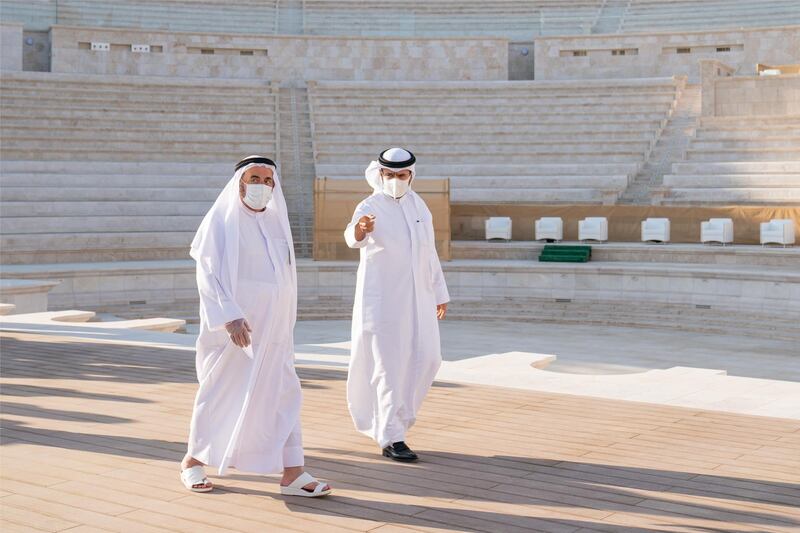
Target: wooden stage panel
[93, 432]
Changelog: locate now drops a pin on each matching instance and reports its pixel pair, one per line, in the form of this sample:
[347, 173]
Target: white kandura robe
[247, 409]
[395, 351]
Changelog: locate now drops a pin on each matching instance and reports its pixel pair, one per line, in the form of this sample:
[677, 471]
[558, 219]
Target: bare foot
[290, 473]
[188, 462]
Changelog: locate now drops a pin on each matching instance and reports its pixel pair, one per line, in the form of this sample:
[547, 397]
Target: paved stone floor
[92, 432]
[598, 350]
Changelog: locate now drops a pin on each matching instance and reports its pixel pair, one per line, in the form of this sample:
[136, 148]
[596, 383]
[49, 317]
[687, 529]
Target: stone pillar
[710, 70]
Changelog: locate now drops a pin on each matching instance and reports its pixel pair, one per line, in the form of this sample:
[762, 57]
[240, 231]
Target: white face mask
[257, 195]
[396, 188]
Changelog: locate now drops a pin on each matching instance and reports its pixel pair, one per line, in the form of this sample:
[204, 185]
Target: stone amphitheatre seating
[118, 168]
[666, 15]
[515, 19]
[499, 142]
[739, 160]
[241, 16]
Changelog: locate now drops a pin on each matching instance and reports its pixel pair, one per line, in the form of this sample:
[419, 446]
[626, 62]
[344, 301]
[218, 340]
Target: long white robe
[395, 351]
[247, 408]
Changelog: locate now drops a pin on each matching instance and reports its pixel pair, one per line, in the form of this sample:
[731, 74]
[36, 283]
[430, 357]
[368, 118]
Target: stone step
[440, 106]
[479, 127]
[162, 135]
[24, 121]
[508, 147]
[498, 97]
[579, 312]
[89, 155]
[95, 247]
[745, 134]
[108, 194]
[503, 169]
[741, 154]
[99, 224]
[749, 123]
[598, 114]
[143, 84]
[199, 114]
[525, 182]
[511, 137]
[764, 143]
[81, 209]
[675, 253]
[166, 179]
[96, 104]
[188, 168]
[588, 313]
[539, 195]
[731, 180]
[688, 324]
[65, 96]
[599, 156]
[737, 167]
[722, 195]
[494, 88]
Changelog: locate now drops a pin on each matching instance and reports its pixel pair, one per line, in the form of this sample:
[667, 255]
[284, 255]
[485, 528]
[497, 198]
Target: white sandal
[296, 487]
[195, 475]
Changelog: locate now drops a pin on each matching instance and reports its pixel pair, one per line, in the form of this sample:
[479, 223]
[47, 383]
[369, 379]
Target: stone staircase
[77, 117]
[290, 17]
[689, 15]
[609, 19]
[527, 142]
[297, 165]
[123, 168]
[669, 148]
[514, 19]
[593, 313]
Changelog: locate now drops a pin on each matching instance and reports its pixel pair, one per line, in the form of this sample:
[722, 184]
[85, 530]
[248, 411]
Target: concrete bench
[27, 296]
[84, 318]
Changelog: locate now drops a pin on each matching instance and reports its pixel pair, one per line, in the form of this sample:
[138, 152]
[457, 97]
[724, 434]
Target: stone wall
[757, 96]
[726, 95]
[285, 58]
[11, 46]
[644, 55]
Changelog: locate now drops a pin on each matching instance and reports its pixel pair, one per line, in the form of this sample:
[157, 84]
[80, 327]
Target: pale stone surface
[537, 142]
[276, 57]
[752, 376]
[718, 373]
[753, 96]
[84, 319]
[734, 294]
[682, 15]
[657, 53]
[10, 46]
[746, 147]
[741, 254]
[27, 295]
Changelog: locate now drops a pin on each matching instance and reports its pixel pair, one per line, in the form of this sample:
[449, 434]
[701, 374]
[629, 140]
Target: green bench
[563, 253]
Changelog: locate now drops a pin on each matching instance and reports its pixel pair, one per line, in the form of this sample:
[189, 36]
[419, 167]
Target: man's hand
[365, 225]
[441, 311]
[240, 331]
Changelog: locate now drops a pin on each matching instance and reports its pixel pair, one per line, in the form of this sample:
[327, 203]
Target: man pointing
[400, 293]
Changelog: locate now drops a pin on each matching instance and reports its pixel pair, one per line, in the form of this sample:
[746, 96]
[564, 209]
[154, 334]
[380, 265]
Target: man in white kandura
[247, 410]
[400, 293]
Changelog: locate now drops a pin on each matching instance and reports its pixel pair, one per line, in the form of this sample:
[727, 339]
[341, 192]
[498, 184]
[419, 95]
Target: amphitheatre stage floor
[93, 431]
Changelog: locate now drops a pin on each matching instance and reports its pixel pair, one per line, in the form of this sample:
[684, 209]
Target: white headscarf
[373, 172]
[216, 244]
